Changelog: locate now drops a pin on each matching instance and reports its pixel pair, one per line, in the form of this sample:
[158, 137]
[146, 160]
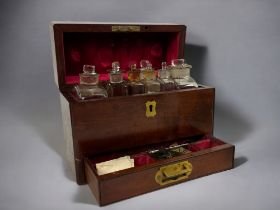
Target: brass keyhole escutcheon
[151, 108]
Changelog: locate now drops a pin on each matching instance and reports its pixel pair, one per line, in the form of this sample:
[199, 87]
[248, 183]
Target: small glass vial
[116, 86]
[134, 85]
[148, 76]
[88, 87]
[164, 77]
[180, 72]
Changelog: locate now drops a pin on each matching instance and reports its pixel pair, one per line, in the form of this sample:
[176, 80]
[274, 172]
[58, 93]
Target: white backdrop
[232, 45]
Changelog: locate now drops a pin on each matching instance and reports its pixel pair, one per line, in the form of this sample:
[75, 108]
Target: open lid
[77, 43]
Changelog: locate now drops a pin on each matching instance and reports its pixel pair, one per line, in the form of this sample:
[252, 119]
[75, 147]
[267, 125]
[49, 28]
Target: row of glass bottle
[143, 80]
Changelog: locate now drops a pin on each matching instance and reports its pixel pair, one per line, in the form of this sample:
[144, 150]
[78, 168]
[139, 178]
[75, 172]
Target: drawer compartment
[215, 156]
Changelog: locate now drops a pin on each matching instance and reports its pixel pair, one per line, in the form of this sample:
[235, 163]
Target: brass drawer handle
[173, 173]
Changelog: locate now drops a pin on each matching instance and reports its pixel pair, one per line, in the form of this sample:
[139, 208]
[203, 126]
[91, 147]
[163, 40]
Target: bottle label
[147, 75]
[88, 80]
[116, 78]
[180, 72]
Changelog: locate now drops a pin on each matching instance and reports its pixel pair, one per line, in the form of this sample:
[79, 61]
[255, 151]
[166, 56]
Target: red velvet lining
[101, 49]
[204, 144]
[143, 159]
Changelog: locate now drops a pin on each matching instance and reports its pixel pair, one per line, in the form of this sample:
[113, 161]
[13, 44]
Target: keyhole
[151, 108]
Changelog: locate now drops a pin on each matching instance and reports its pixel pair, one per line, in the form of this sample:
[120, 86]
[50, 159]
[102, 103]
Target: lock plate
[151, 108]
[173, 173]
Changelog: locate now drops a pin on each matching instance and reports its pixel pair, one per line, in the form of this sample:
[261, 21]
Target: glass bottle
[180, 72]
[148, 76]
[164, 77]
[134, 85]
[116, 86]
[88, 87]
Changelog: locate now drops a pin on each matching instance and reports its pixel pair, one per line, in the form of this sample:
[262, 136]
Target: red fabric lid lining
[101, 49]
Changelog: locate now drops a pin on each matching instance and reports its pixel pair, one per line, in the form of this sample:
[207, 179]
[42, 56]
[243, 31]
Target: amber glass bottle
[134, 85]
[148, 77]
[116, 86]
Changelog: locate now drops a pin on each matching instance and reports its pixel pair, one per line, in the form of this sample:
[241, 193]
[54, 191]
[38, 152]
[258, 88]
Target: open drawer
[201, 157]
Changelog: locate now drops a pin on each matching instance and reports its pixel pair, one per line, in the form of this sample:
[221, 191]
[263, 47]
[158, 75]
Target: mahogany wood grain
[120, 123]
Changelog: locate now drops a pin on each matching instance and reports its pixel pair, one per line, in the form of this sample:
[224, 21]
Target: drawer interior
[154, 155]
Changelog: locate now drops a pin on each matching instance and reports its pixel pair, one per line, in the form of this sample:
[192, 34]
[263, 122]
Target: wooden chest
[103, 129]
